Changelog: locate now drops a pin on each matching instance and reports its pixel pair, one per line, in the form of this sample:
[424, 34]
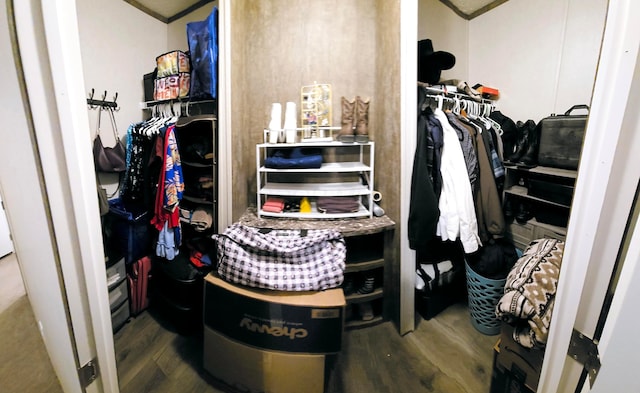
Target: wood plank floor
[444, 354]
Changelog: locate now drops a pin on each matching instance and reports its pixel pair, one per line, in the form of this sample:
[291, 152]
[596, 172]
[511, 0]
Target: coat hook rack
[93, 103]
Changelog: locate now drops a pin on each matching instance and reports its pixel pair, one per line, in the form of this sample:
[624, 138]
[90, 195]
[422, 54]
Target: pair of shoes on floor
[360, 283]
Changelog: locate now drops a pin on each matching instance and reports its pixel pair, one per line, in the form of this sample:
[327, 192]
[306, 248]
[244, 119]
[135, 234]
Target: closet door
[602, 253]
[50, 190]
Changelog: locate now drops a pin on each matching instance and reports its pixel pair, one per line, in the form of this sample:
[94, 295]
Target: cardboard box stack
[269, 341]
[515, 368]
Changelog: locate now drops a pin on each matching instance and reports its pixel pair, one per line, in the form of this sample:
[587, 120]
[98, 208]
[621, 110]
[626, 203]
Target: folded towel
[272, 204]
[202, 219]
[338, 204]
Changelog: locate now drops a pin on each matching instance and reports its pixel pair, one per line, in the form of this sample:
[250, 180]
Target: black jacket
[423, 206]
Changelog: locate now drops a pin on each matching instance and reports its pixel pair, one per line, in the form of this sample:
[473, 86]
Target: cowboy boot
[362, 122]
[348, 121]
[530, 158]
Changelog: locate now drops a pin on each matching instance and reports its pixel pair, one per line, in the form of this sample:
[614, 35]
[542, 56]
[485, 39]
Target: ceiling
[469, 9]
[169, 10]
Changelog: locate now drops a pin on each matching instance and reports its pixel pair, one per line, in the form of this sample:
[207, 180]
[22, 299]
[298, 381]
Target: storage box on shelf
[346, 170]
[118, 289]
[547, 193]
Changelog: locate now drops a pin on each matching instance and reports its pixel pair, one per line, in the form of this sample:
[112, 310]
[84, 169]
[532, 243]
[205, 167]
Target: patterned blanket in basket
[530, 291]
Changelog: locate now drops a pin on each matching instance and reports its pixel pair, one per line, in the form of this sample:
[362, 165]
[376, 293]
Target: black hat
[431, 64]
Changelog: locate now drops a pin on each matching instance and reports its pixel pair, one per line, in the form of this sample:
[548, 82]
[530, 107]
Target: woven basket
[484, 294]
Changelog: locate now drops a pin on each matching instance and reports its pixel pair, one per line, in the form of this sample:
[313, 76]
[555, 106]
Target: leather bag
[109, 159]
[561, 139]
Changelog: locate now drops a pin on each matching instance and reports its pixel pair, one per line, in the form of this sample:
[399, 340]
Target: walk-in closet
[515, 59]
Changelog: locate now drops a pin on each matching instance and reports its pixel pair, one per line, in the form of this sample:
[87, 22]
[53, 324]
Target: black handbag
[109, 159]
[561, 139]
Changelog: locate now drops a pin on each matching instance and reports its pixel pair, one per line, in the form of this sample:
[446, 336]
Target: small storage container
[120, 316]
[172, 87]
[551, 188]
[118, 295]
[173, 63]
[116, 273]
[148, 82]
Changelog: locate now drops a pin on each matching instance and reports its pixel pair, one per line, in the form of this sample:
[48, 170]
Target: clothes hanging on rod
[460, 175]
[169, 192]
[153, 179]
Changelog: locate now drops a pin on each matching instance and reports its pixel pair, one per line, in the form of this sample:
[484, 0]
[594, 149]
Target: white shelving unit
[347, 170]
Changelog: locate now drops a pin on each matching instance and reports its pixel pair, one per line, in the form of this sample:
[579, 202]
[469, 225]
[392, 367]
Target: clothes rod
[445, 93]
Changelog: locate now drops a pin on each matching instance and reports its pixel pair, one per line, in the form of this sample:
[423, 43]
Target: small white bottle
[275, 122]
[290, 124]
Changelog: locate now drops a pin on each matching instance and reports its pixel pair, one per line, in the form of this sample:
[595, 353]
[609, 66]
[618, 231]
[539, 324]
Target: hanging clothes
[423, 204]
[468, 150]
[166, 217]
[456, 204]
[140, 177]
[487, 201]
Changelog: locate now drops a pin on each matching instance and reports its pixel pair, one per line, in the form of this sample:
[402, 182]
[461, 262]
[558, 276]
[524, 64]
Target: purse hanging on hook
[109, 159]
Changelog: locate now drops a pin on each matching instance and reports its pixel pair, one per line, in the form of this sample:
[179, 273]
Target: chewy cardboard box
[515, 364]
[270, 341]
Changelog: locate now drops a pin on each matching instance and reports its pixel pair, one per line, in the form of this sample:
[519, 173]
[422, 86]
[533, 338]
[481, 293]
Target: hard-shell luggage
[561, 139]
[138, 276]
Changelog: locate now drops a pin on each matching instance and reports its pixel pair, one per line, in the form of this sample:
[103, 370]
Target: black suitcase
[561, 139]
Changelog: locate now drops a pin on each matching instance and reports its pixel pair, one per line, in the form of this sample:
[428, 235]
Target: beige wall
[119, 44]
[448, 32]
[387, 136]
[542, 55]
[278, 46]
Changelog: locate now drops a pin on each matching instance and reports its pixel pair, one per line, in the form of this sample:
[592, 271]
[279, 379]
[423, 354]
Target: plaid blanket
[530, 291]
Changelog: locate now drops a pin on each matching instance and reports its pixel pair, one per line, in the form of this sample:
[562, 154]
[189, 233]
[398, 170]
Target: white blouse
[457, 209]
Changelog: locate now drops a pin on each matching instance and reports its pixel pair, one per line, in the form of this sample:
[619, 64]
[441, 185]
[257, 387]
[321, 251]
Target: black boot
[509, 133]
[524, 213]
[508, 210]
[524, 129]
[530, 158]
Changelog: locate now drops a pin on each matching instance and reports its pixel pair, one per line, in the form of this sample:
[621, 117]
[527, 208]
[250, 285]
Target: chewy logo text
[275, 331]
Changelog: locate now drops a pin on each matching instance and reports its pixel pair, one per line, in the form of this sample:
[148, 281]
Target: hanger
[456, 106]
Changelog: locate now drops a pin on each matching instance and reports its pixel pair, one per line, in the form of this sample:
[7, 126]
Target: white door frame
[408, 138]
[55, 104]
[605, 188]
[620, 341]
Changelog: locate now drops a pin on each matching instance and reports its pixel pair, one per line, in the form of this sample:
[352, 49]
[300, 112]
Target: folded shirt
[297, 157]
